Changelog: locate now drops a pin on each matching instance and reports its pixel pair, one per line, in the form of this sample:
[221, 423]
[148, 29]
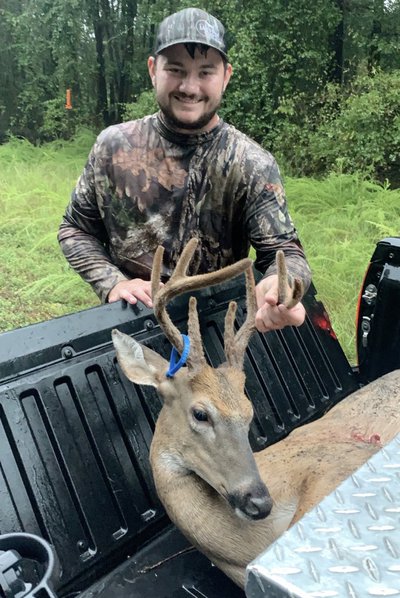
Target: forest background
[317, 83]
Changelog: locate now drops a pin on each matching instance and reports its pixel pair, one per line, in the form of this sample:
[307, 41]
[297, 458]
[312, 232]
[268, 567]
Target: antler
[235, 344]
[288, 295]
[180, 283]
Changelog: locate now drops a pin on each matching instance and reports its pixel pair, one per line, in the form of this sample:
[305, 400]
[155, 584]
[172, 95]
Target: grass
[339, 220]
[35, 184]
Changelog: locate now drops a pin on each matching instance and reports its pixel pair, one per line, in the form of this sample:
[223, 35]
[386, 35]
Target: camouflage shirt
[145, 185]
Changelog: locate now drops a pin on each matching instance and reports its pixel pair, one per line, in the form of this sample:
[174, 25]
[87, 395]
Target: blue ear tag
[175, 365]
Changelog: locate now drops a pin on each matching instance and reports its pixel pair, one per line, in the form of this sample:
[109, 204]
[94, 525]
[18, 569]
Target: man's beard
[175, 123]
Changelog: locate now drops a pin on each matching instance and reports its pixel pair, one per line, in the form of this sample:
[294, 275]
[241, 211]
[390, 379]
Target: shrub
[145, 104]
[365, 135]
[58, 123]
[357, 130]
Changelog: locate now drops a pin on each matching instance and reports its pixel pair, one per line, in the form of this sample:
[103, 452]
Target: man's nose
[189, 85]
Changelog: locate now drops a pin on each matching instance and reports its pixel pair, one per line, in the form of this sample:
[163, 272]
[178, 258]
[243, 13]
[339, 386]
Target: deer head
[203, 426]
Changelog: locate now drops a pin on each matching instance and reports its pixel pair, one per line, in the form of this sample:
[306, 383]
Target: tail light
[378, 313]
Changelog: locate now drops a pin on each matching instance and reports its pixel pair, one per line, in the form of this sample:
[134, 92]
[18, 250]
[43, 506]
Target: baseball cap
[191, 25]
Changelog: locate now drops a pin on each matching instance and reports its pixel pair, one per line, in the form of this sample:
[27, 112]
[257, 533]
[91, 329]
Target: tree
[281, 56]
[284, 55]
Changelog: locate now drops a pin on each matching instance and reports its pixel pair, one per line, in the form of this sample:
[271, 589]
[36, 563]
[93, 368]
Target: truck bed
[75, 437]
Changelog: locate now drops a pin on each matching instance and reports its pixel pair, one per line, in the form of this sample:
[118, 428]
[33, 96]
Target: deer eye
[200, 415]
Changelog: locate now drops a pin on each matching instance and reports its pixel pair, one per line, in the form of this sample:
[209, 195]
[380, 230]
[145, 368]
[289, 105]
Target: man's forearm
[89, 258]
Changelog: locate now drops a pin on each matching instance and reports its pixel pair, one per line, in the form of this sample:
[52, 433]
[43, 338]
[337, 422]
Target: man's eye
[200, 415]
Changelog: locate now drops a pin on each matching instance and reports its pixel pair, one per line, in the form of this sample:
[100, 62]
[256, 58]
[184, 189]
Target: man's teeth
[188, 101]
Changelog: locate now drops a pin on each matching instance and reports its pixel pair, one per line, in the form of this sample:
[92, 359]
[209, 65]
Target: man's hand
[270, 315]
[132, 291]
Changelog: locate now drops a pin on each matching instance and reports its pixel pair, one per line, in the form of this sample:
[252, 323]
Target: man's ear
[139, 363]
[228, 75]
[151, 65]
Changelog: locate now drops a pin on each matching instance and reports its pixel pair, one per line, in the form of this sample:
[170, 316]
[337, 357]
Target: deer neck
[206, 518]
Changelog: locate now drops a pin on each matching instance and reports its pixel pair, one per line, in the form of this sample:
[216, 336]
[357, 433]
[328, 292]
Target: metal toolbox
[348, 545]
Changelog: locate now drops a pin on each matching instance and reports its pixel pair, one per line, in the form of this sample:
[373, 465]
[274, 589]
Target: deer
[229, 502]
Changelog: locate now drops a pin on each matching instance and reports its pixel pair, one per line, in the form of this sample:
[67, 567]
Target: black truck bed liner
[75, 437]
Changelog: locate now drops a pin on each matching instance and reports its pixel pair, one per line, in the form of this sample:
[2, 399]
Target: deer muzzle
[255, 503]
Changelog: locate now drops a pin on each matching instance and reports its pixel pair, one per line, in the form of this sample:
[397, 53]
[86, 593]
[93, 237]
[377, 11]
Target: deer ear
[140, 364]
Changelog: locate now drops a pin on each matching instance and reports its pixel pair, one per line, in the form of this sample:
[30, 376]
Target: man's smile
[186, 100]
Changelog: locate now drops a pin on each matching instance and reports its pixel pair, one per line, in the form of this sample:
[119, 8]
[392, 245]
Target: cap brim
[190, 41]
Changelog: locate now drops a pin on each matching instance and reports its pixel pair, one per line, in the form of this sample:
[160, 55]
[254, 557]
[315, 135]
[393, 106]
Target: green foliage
[284, 55]
[58, 123]
[145, 104]
[298, 118]
[365, 134]
[356, 130]
[35, 184]
[340, 219]
[371, 36]
[279, 51]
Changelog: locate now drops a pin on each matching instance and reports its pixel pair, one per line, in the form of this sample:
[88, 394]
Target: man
[180, 173]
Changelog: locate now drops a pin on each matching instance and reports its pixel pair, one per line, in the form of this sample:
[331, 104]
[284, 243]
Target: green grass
[35, 185]
[339, 220]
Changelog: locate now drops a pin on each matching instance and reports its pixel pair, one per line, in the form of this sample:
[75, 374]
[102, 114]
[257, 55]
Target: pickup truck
[79, 515]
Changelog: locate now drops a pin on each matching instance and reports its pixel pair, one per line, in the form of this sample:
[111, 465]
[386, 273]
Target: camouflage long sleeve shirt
[145, 185]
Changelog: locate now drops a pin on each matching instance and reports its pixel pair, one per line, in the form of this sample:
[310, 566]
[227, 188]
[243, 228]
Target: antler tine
[235, 344]
[196, 356]
[288, 295]
[180, 283]
[179, 286]
[185, 258]
[156, 271]
[229, 335]
[160, 301]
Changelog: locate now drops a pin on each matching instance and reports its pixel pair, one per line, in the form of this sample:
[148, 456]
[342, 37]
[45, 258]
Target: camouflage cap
[191, 25]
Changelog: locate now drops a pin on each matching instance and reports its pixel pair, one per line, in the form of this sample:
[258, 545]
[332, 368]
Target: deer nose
[258, 508]
[256, 504]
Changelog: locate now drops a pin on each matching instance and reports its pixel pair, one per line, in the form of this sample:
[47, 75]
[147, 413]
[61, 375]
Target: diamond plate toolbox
[348, 546]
